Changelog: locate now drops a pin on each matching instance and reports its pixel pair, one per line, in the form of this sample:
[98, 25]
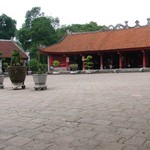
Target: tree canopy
[37, 30]
[7, 27]
[32, 14]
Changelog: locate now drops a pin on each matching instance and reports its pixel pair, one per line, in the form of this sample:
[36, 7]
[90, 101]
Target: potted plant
[1, 75]
[1, 81]
[88, 63]
[40, 77]
[5, 65]
[16, 71]
[56, 63]
[73, 68]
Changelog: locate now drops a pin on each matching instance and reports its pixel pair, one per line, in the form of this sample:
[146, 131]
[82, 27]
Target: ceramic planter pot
[1, 81]
[40, 81]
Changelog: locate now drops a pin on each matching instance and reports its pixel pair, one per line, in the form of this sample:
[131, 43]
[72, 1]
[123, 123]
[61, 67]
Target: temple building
[7, 47]
[113, 47]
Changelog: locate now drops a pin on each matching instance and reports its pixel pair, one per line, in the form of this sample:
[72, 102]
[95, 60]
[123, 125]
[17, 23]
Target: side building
[113, 47]
[6, 49]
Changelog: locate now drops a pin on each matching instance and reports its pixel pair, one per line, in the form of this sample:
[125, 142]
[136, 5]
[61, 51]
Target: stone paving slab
[77, 112]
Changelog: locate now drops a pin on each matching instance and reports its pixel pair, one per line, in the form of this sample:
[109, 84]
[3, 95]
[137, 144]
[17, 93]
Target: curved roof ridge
[110, 30]
[5, 40]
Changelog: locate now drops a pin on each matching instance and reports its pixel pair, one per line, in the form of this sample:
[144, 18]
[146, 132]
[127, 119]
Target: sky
[104, 12]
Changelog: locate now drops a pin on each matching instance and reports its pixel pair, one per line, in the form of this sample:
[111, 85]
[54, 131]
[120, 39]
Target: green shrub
[88, 62]
[5, 65]
[15, 58]
[33, 65]
[37, 67]
[56, 63]
[73, 67]
[42, 68]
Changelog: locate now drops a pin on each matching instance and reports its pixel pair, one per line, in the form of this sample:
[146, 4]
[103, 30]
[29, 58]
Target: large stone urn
[17, 75]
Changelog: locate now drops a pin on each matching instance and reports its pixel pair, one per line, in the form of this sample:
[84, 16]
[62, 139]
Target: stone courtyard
[78, 112]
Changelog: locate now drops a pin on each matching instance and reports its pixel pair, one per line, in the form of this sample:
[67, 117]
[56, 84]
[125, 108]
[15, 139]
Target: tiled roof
[7, 46]
[101, 41]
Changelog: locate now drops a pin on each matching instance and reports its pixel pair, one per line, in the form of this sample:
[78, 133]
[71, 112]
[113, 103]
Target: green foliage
[33, 65]
[56, 63]
[7, 27]
[37, 31]
[73, 67]
[23, 35]
[42, 68]
[5, 65]
[15, 58]
[32, 14]
[88, 62]
[42, 32]
[36, 67]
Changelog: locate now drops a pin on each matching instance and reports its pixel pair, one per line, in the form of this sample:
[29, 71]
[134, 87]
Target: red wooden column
[67, 63]
[144, 58]
[50, 60]
[83, 65]
[120, 60]
[101, 61]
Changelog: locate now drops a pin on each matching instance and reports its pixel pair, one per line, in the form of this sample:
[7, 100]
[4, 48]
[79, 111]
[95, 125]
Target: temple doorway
[76, 59]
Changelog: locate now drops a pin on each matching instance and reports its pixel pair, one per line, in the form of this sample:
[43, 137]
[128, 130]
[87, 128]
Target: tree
[23, 35]
[32, 14]
[37, 30]
[7, 27]
[42, 32]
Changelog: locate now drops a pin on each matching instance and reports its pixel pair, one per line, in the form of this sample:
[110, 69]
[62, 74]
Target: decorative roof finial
[137, 23]
[12, 38]
[126, 25]
[148, 21]
[68, 32]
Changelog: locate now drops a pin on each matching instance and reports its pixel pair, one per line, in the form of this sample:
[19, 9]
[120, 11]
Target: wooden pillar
[120, 60]
[50, 60]
[101, 61]
[144, 58]
[147, 62]
[1, 66]
[48, 63]
[67, 63]
[83, 65]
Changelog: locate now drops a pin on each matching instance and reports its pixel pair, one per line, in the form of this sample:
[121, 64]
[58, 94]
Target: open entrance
[76, 59]
[132, 59]
[148, 58]
[110, 60]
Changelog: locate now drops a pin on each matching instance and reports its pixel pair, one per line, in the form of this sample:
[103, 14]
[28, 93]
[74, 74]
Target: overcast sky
[104, 12]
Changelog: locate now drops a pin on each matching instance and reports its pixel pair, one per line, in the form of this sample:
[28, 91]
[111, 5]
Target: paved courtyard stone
[77, 112]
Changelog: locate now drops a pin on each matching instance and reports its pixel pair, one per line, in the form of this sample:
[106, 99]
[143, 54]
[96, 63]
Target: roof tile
[7, 46]
[102, 41]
